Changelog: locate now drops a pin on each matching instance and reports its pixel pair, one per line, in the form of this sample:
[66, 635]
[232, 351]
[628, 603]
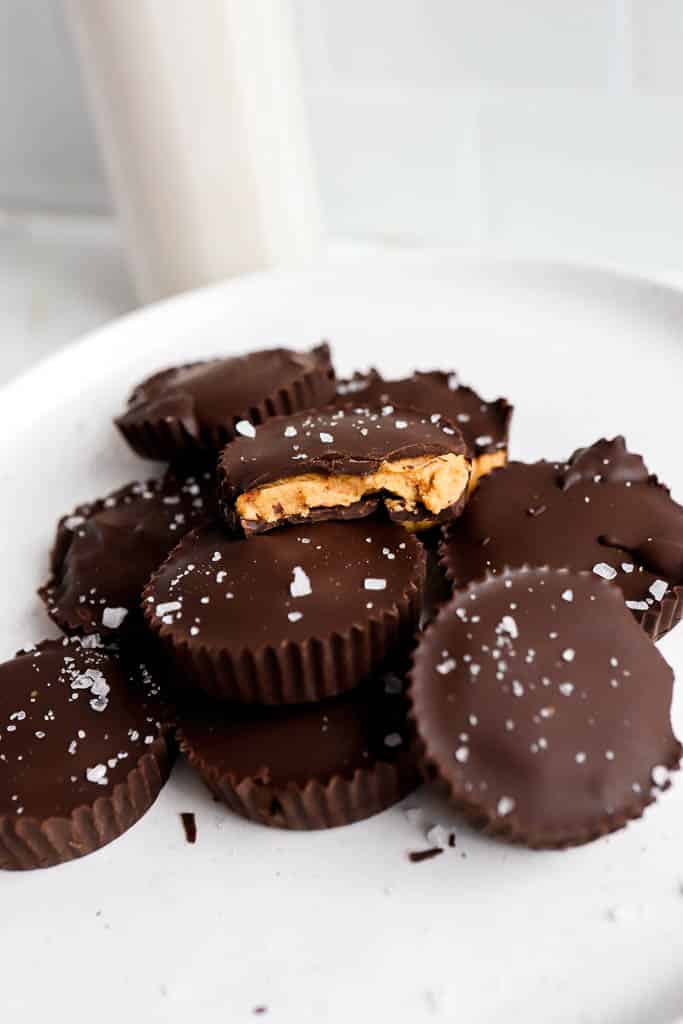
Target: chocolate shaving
[190, 825]
[416, 856]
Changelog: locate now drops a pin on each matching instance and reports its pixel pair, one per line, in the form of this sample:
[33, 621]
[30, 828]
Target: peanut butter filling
[432, 481]
[484, 464]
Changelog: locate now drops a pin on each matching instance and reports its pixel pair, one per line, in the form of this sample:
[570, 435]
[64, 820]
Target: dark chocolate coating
[336, 559]
[292, 616]
[197, 406]
[307, 766]
[105, 552]
[544, 707]
[353, 440]
[484, 425]
[600, 508]
[358, 510]
[67, 707]
[337, 736]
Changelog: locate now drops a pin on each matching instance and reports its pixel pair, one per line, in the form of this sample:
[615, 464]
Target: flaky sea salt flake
[245, 428]
[113, 617]
[605, 571]
[301, 584]
[505, 806]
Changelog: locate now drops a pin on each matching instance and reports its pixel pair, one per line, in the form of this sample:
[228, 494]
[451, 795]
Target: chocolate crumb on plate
[548, 716]
[189, 823]
[416, 856]
[343, 463]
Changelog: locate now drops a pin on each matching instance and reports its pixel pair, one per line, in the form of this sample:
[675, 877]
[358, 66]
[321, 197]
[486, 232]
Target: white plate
[339, 926]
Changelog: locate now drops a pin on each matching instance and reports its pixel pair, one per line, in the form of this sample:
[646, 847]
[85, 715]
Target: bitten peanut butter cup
[341, 464]
[544, 707]
[82, 752]
[602, 511]
[201, 406]
[300, 615]
[306, 766]
[105, 552]
[484, 425]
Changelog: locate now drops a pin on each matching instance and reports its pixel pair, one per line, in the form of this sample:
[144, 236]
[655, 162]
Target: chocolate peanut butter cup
[341, 464]
[602, 511]
[544, 707]
[82, 751]
[300, 615]
[307, 766]
[105, 551]
[484, 425]
[201, 406]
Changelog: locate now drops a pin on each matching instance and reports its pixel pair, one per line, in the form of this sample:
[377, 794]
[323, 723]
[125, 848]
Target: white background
[539, 127]
[536, 125]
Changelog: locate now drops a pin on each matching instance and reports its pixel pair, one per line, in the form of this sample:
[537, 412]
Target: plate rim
[422, 262]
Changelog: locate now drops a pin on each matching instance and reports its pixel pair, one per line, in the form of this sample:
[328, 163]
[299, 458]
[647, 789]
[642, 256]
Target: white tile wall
[47, 149]
[543, 126]
[539, 43]
[402, 169]
[600, 173]
[658, 45]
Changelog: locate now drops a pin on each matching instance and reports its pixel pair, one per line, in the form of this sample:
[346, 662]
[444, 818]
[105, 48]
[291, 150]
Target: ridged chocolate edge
[295, 673]
[316, 805]
[169, 440]
[658, 621]
[27, 843]
[508, 828]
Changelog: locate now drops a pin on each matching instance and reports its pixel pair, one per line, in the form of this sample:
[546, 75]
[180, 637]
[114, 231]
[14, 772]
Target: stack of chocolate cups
[273, 578]
[286, 624]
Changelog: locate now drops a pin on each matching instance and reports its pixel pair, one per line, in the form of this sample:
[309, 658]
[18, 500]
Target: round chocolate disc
[600, 512]
[306, 766]
[105, 552]
[544, 707]
[82, 751]
[203, 405]
[294, 616]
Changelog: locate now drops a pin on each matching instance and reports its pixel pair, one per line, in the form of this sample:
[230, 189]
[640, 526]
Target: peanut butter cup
[544, 707]
[306, 766]
[202, 405]
[341, 464]
[602, 511]
[82, 751]
[105, 551]
[302, 614]
[484, 425]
